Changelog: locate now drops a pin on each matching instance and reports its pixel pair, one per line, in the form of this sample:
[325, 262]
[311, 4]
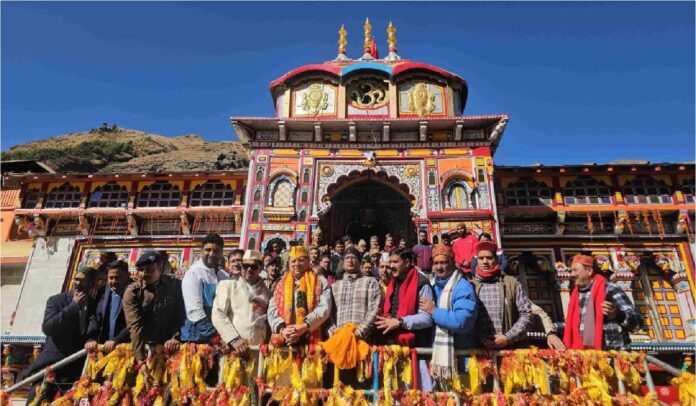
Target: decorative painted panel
[368, 98]
[421, 99]
[314, 99]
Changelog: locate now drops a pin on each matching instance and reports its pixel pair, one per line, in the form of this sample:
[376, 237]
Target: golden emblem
[411, 171]
[368, 95]
[420, 100]
[315, 100]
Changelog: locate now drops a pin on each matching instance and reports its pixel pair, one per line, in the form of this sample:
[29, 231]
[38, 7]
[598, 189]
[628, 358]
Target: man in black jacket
[108, 324]
[65, 325]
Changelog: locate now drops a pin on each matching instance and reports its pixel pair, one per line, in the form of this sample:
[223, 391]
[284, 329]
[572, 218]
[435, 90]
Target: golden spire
[368, 36]
[391, 37]
[342, 40]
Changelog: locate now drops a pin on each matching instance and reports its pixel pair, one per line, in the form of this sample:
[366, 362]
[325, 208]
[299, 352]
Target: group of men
[438, 296]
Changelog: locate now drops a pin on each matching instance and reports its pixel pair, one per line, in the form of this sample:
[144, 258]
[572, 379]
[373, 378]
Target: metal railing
[495, 355]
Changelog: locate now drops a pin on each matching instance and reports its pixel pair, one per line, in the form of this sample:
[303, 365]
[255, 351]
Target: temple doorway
[368, 206]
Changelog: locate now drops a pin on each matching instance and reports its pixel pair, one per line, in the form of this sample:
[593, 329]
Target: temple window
[305, 195]
[255, 215]
[432, 181]
[63, 197]
[110, 195]
[159, 194]
[656, 300]
[586, 190]
[282, 192]
[303, 216]
[527, 192]
[458, 195]
[252, 243]
[257, 194]
[688, 189]
[305, 176]
[30, 199]
[259, 174]
[212, 193]
[646, 190]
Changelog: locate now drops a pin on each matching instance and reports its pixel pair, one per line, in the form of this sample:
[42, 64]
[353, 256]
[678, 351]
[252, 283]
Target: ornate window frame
[65, 196]
[639, 190]
[528, 187]
[219, 194]
[149, 195]
[109, 195]
[578, 191]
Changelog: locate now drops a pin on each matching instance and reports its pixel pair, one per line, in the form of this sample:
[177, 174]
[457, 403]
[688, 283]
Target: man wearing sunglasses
[239, 308]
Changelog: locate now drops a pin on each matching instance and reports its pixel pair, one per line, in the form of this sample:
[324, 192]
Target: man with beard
[274, 272]
[65, 326]
[463, 248]
[384, 273]
[240, 305]
[301, 302]
[402, 321]
[505, 312]
[337, 259]
[108, 324]
[235, 262]
[454, 312]
[154, 307]
[198, 288]
[423, 252]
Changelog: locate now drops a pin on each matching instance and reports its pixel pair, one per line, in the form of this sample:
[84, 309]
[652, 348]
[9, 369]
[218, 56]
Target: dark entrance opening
[368, 206]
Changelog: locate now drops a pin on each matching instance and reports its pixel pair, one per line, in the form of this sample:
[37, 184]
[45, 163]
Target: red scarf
[571, 337]
[487, 274]
[408, 305]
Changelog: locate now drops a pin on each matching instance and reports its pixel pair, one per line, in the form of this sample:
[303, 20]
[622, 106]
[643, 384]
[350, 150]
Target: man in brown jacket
[154, 307]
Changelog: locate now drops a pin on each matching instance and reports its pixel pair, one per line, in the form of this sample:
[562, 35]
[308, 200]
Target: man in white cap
[239, 308]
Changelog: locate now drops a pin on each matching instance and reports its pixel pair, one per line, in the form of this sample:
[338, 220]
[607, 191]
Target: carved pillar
[282, 135]
[458, 131]
[685, 301]
[385, 132]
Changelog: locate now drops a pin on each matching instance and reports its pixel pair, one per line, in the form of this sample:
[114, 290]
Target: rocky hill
[113, 149]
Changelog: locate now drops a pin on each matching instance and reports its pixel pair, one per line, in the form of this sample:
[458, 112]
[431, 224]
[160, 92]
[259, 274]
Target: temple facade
[370, 146]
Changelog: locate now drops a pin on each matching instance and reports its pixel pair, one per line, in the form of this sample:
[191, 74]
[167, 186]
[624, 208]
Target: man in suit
[108, 324]
[65, 325]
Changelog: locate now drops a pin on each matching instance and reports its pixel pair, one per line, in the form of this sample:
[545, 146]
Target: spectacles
[248, 266]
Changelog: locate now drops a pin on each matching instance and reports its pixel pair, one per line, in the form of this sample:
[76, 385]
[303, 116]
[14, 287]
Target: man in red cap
[505, 312]
[600, 315]
[463, 248]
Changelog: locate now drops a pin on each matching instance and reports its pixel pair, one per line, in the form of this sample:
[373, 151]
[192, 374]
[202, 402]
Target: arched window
[159, 194]
[259, 174]
[305, 176]
[110, 195]
[644, 189]
[255, 215]
[527, 192]
[63, 197]
[252, 244]
[458, 195]
[30, 199]
[212, 193]
[688, 189]
[585, 190]
[282, 193]
[303, 216]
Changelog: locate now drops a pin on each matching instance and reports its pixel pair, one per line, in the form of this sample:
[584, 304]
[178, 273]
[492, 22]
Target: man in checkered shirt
[600, 315]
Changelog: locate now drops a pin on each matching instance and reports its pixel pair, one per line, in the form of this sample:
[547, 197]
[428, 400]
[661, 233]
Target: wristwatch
[401, 322]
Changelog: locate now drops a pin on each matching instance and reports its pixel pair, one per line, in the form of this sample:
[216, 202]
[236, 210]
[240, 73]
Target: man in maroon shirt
[423, 251]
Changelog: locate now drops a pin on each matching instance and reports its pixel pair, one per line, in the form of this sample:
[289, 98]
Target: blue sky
[583, 82]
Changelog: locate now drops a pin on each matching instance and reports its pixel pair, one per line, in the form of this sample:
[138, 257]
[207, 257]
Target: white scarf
[443, 362]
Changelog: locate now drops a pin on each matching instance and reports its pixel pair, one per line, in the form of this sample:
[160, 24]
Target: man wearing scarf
[600, 315]
[402, 320]
[301, 302]
[454, 312]
[505, 312]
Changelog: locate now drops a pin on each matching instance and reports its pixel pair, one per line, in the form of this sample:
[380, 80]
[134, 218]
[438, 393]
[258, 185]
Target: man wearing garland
[505, 312]
[301, 302]
[240, 305]
[454, 312]
[600, 315]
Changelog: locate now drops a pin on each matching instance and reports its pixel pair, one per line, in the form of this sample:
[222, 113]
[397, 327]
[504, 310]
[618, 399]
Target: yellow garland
[288, 297]
[476, 376]
[687, 391]
[274, 364]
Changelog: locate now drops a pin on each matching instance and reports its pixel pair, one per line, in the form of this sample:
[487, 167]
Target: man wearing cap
[198, 287]
[454, 312]
[240, 305]
[505, 312]
[384, 276]
[423, 251]
[154, 307]
[65, 325]
[463, 248]
[600, 315]
[108, 324]
[356, 297]
[301, 302]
